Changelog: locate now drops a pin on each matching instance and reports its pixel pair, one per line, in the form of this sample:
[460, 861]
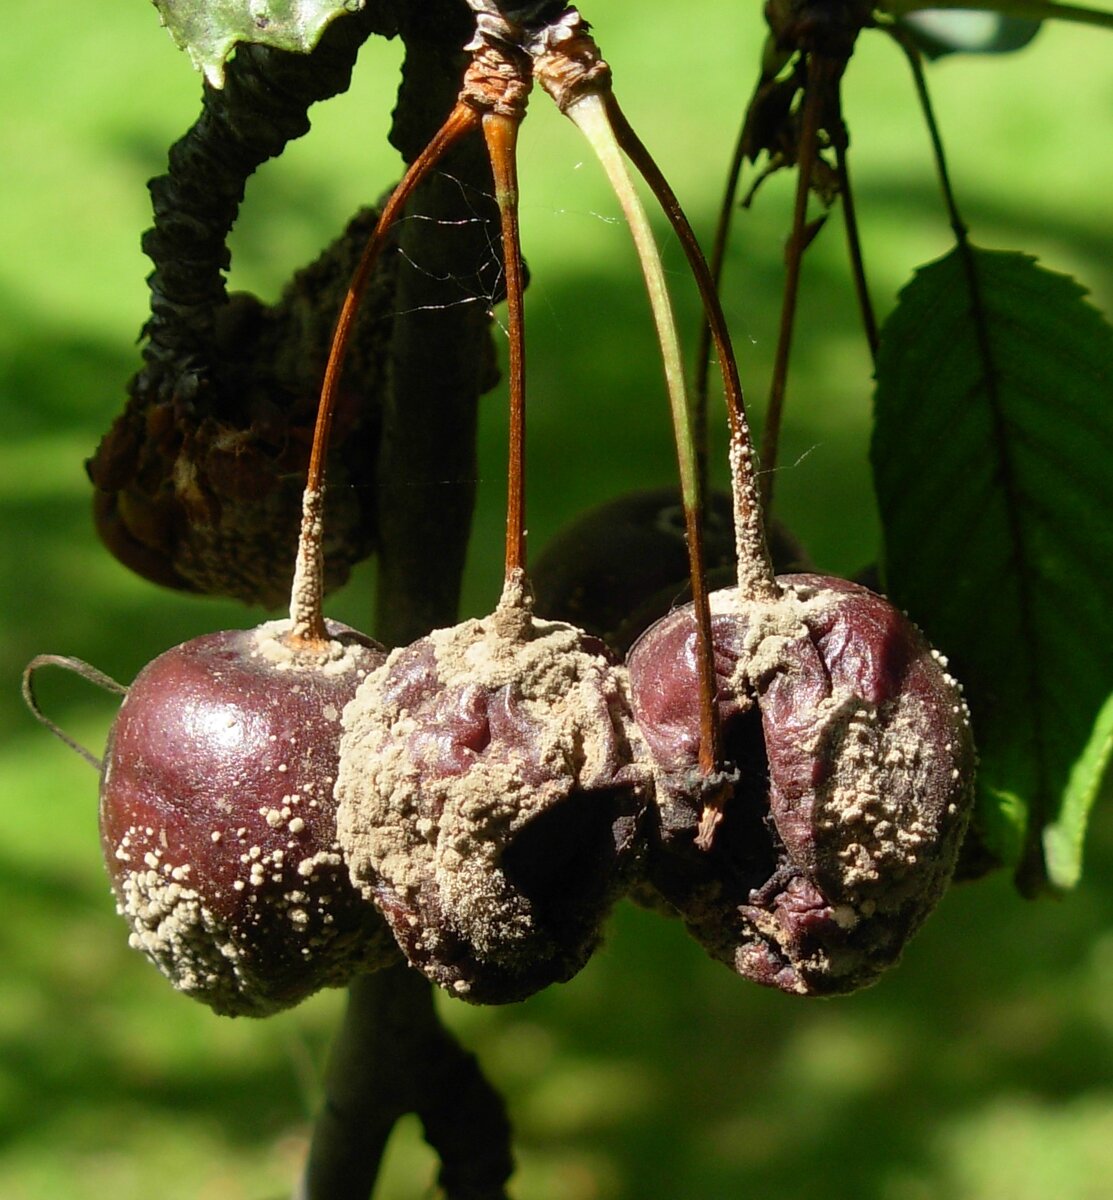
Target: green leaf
[993, 463]
[937, 32]
[209, 29]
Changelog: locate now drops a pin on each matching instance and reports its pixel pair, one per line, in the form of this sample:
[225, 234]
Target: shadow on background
[979, 1070]
[656, 1071]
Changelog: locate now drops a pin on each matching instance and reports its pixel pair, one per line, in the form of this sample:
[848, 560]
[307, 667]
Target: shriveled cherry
[218, 822]
[491, 801]
[853, 773]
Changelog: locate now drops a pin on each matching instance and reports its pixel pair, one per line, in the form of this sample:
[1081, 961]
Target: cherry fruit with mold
[850, 761]
[218, 823]
[491, 794]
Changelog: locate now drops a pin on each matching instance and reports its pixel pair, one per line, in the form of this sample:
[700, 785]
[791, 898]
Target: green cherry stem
[589, 112]
[307, 625]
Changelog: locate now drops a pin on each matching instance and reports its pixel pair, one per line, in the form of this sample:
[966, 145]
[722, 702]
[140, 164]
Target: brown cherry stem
[501, 134]
[568, 65]
[307, 625]
[755, 568]
[590, 112]
[818, 69]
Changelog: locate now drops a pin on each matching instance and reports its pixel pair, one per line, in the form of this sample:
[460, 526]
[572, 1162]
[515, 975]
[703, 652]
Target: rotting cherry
[218, 822]
[217, 811]
[852, 781]
[197, 482]
[492, 781]
[491, 799]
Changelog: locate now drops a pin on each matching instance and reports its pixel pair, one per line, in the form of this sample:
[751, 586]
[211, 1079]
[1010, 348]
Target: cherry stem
[307, 625]
[591, 113]
[809, 140]
[501, 134]
[1031, 874]
[77, 667]
[755, 568]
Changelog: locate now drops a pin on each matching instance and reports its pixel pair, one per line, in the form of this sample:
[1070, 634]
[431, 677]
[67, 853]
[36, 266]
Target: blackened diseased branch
[263, 106]
[394, 1057]
[198, 482]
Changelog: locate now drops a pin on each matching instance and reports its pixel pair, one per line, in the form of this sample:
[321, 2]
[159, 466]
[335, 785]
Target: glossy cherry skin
[218, 823]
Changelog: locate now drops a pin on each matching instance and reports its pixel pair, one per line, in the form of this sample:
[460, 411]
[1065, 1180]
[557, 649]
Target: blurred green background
[982, 1068]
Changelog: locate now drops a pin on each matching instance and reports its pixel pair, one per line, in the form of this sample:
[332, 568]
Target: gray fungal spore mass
[490, 801]
[854, 781]
[218, 822]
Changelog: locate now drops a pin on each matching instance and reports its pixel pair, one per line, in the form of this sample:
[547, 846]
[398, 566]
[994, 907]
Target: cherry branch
[393, 1056]
[404, 1061]
[818, 70]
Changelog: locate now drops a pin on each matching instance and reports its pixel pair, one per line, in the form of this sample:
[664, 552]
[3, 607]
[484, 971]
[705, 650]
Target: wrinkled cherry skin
[492, 842]
[218, 823]
[854, 769]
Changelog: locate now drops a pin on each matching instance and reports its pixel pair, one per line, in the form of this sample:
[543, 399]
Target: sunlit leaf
[992, 456]
[209, 29]
[968, 31]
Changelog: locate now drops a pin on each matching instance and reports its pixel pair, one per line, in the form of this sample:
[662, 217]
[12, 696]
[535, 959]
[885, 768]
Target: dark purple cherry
[491, 802]
[852, 781]
[218, 821]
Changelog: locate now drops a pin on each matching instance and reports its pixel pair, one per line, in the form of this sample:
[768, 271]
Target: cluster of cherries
[786, 764]
[277, 819]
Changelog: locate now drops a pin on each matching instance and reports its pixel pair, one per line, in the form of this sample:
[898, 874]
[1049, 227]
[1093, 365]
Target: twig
[841, 142]
[393, 1056]
[809, 140]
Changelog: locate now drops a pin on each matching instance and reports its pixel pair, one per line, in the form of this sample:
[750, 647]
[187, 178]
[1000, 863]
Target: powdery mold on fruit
[490, 800]
[853, 782]
[218, 822]
[623, 565]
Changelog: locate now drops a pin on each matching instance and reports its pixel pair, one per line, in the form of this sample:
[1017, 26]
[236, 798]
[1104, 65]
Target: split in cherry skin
[852, 766]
